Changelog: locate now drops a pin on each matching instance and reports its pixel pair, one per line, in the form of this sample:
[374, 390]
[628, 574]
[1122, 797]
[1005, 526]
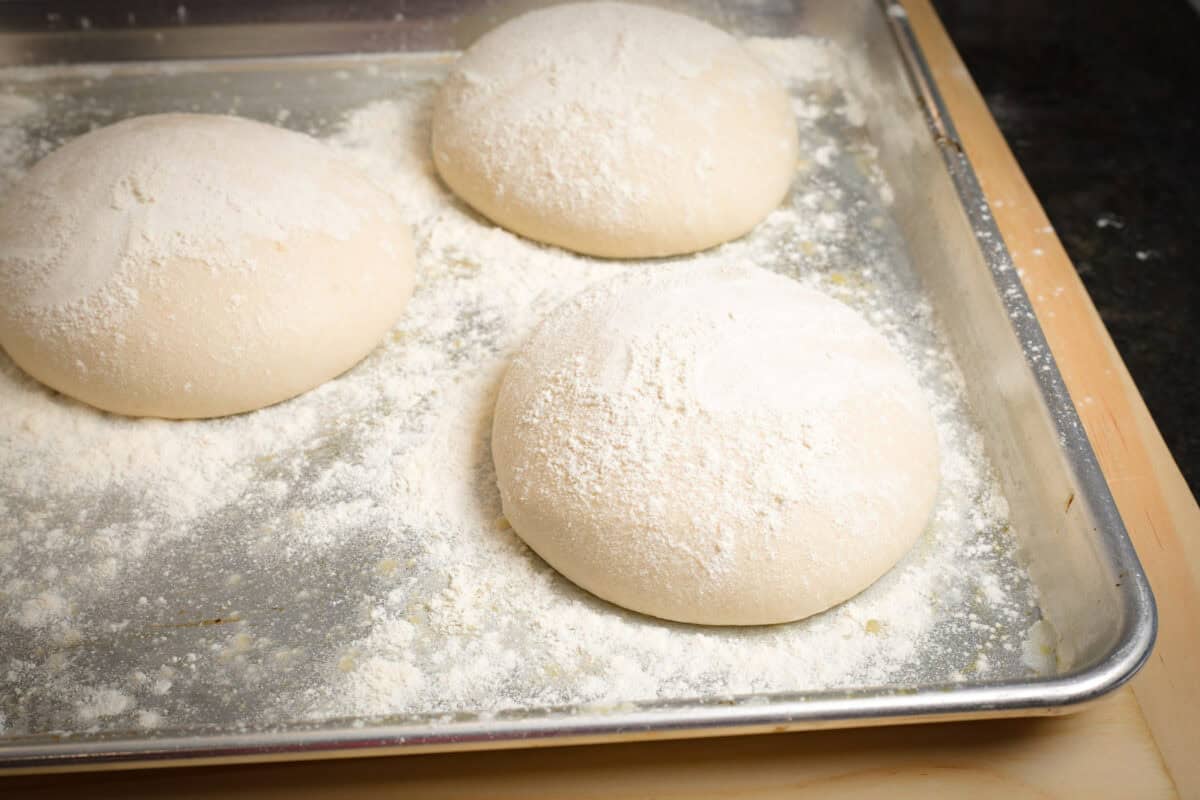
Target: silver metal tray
[935, 264]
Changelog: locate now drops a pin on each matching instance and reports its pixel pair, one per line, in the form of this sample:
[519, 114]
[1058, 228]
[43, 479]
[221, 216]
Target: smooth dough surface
[615, 130]
[714, 445]
[184, 265]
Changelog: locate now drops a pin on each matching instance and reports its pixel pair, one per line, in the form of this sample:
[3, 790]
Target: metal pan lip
[677, 719]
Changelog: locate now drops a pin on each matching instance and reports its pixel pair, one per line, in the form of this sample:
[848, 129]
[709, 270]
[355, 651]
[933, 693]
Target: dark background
[1100, 101]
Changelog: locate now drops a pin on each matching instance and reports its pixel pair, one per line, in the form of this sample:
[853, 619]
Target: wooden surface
[1142, 742]
[1005, 759]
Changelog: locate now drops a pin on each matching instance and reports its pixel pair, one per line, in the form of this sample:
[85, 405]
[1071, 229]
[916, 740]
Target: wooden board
[1004, 759]
[1140, 742]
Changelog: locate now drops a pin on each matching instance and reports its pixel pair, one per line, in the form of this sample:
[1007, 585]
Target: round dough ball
[615, 130]
[714, 445]
[184, 265]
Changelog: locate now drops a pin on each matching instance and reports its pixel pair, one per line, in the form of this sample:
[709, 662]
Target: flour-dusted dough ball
[185, 265]
[714, 445]
[615, 130]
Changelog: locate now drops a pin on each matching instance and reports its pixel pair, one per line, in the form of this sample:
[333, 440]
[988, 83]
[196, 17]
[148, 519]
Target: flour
[594, 77]
[139, 207]
[194, 265]
[714, 445]
[615, 129]
[15, 144]
[343, 554]
[44, 609]
[103, 703]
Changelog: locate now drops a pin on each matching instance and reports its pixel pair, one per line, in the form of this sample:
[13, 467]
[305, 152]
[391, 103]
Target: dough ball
[714, 445]
[615, 130]
[184, 265]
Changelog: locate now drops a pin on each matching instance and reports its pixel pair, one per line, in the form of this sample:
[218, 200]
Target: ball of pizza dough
[714, 445]
[615, 130]
[184, 265]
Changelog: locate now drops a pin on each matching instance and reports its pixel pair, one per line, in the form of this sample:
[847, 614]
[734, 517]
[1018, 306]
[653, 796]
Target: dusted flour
[344, 554]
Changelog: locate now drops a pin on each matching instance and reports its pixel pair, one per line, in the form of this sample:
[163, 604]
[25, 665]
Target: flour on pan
[343, 555]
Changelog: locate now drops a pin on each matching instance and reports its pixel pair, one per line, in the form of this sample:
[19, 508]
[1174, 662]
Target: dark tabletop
[1100, 101]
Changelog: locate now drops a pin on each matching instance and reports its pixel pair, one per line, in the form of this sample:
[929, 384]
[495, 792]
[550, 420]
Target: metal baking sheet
[925, 259]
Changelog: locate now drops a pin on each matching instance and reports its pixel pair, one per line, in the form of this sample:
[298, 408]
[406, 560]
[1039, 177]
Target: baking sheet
[302, 602]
